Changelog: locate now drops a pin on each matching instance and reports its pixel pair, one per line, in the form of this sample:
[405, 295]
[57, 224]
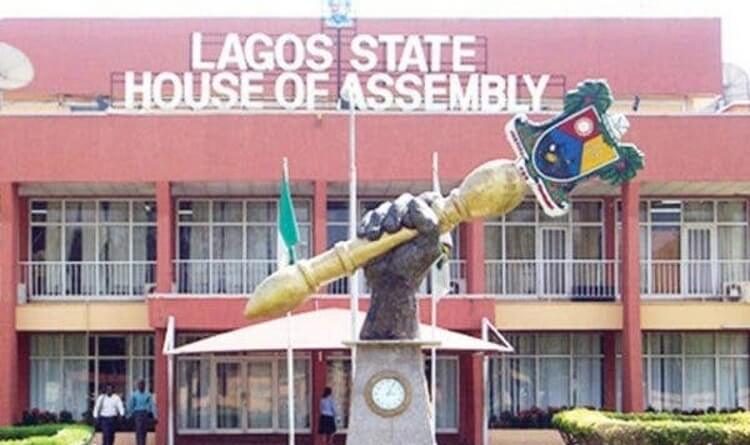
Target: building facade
[113, 220]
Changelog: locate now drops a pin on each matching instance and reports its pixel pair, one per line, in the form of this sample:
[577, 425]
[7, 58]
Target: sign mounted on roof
[431, 72]
[338, 13]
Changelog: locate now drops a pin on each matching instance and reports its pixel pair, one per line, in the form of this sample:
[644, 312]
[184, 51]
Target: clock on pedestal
[390, 404]
[388, 393]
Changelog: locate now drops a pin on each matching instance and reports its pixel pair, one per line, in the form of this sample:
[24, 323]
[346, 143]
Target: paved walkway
[525, 437]
[505, 437]
[124, 439]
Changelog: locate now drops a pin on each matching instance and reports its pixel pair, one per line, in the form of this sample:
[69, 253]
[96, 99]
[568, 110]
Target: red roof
[637, 56]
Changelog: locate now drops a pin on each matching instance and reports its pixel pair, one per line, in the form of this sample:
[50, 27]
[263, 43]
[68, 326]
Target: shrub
[39, 435]
[41, 417]
[66, 417]
[22, 432]
[587, 427]
[532, 418]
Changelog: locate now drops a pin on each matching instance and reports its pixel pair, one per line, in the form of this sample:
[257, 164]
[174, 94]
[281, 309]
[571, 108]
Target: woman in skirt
[327, 422]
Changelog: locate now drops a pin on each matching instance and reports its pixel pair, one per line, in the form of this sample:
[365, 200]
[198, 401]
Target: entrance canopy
[325, 329]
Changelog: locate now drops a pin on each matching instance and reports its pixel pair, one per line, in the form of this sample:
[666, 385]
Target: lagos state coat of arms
[582, 142]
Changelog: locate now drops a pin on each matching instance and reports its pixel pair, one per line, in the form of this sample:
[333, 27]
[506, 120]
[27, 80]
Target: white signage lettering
[432, 72]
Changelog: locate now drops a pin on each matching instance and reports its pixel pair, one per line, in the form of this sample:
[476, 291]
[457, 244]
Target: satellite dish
[16, 70]
[735, 84]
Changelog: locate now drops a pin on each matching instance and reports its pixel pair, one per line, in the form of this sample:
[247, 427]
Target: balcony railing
[548, 279]
[692, 278]
[221, 276]
[57, 279]
[457, 271]
[545, 279]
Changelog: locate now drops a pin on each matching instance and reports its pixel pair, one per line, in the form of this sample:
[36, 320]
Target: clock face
[388, 393]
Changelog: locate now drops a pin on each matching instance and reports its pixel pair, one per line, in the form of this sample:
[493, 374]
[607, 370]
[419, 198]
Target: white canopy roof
[323, 329]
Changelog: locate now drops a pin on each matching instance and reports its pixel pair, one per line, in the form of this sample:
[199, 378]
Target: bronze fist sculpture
[395, 277]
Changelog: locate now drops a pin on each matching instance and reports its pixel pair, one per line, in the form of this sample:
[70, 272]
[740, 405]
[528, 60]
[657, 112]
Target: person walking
[327, 421]
[107, 409]
[141, 407]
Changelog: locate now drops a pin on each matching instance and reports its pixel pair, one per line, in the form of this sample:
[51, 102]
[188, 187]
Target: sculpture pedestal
[412, 425]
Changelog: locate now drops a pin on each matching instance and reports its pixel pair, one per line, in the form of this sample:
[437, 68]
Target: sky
[735, 14]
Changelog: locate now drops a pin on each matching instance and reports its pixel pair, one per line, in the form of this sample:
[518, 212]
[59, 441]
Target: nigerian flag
[288, 234]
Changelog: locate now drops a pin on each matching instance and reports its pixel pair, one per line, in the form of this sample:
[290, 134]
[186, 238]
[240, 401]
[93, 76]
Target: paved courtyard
[497, 437]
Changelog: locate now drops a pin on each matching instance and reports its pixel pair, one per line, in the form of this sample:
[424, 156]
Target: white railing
[691, 278]
[457, 277]
[221, 276]
[56, 279]
[568, 279]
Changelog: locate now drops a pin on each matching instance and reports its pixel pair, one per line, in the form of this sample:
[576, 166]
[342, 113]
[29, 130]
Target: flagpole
[290, 376]
[167, 349]
[433, 313]
[289, 346]
[485, 385]
[354, 279]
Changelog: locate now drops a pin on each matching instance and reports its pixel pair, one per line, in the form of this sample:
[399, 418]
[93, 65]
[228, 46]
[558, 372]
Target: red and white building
[113, 220]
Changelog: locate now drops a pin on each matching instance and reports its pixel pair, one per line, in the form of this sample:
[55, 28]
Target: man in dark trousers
[141, 407]
[107, 409]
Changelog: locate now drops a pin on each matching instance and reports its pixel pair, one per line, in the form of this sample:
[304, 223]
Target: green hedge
[587, 427]
[22, 432]
[53, 434]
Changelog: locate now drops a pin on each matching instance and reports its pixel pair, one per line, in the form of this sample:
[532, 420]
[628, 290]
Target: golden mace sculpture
[494, 188]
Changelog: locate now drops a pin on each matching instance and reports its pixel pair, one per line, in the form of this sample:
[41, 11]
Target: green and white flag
[287, 240]
[288, 233]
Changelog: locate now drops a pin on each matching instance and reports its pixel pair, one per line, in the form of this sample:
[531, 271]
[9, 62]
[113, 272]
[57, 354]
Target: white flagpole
[354, 279]
[289, 349]
[433, 314]
[290, 376]
[167, 349]
[485, 384]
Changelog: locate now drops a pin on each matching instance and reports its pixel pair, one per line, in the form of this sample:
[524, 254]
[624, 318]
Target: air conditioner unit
[148, 288]
[732, 289]
[458, 286]
[739, 290]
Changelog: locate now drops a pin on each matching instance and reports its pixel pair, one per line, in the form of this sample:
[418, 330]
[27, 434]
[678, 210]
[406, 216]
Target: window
[529, 253]
[68, 369]
[238, 393]
[692, 247]
[193, 394]
[446, 398]
[337, 229]
[695, 370]
[92, 247]
[547, 370]
[229, 246]
[338, 378]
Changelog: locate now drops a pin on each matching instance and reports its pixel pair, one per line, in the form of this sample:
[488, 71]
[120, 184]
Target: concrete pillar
[475, 257]
[632, 371]
[10, 210]
[165, 237]
[161, 387]
[320, 217]
[471, 393]
[609, 382]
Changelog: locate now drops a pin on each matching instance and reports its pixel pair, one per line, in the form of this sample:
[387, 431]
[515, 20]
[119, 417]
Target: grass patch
[587, 427]
[53, 434]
